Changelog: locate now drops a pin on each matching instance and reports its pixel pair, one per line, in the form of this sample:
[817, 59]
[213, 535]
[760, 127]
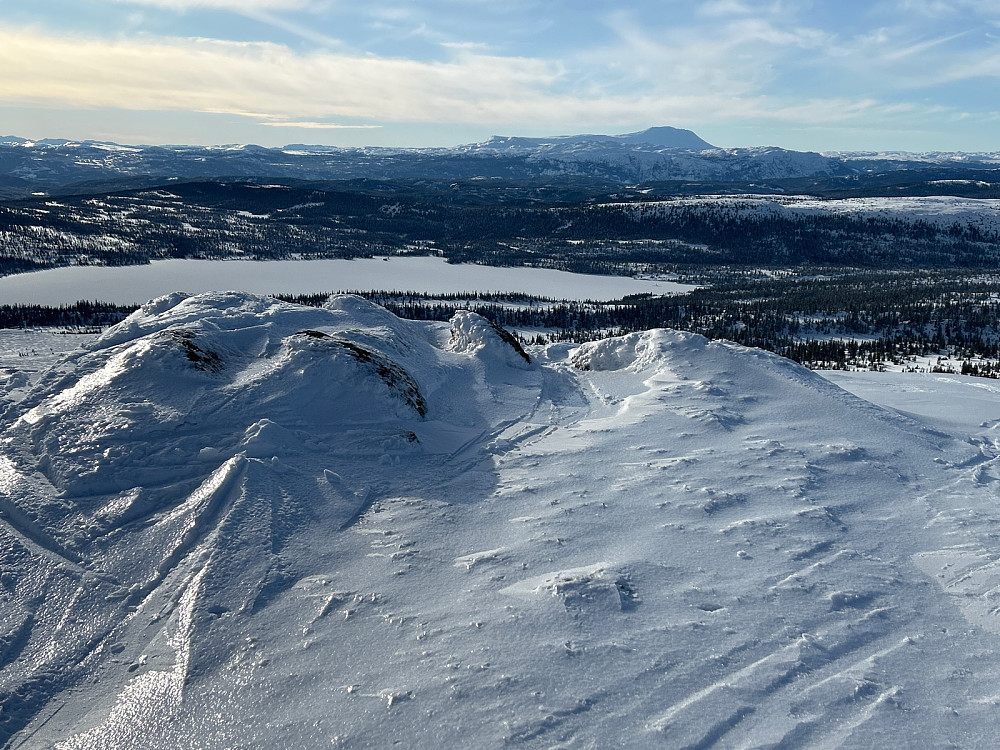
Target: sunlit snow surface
[232, 522]
[941, 211]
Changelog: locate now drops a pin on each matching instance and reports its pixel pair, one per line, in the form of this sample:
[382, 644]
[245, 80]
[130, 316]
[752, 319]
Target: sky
[912, 75]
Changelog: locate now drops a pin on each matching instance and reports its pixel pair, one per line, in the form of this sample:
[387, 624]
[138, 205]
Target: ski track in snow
[234, 522]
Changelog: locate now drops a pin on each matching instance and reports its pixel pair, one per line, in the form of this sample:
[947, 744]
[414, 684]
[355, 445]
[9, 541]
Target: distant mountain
[661, 138]
[661, 154]
[667, 137]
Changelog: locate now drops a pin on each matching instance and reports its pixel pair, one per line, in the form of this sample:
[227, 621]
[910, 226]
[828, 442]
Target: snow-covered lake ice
[137, 284]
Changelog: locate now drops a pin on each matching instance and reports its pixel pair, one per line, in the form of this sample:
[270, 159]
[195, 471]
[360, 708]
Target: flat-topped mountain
[654, 155]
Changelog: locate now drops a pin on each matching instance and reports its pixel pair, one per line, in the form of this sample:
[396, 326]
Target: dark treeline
[219, 220]
[83, 314]
[856, 319]
[859, 319]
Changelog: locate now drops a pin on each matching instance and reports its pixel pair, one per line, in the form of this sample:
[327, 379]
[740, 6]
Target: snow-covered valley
[235, 522]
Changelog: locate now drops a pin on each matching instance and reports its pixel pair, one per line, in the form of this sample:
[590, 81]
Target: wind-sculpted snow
[635, 352]
[472, 334]
[236, 522]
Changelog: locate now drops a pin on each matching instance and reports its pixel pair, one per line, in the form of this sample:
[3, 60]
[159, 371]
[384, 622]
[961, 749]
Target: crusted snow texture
[474, 334]
[635, 351]
[236, 522]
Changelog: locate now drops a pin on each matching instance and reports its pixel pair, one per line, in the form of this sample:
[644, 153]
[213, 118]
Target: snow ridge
[237, 522]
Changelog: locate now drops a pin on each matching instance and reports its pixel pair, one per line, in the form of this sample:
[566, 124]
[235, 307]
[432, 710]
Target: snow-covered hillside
[941, 211]
[235, 522]
[658, 138]
[630, 158]
[910, 157]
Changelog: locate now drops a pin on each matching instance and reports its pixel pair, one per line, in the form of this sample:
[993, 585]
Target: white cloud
[892, 60]
[281, 88]
[268, 79]
[308, 33]
[944, 8]
[234, 5]
[723, 8]
[738, 58]
[319, 126]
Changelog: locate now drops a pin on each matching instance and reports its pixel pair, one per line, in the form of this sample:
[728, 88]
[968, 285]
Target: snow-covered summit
[237, 522]
[663, 137]
[655, 157]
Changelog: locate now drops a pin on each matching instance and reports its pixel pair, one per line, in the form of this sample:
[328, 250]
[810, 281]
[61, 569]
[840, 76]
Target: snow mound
[636, 351]
[333, 353]
[592, 587]
[211, 310]
[474, 334]
[236, 522]
[177, 386]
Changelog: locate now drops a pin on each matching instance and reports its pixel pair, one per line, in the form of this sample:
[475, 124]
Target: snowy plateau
[233, 522]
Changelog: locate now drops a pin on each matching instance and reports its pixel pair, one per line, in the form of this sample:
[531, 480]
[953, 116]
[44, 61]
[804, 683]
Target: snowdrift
[236, 522]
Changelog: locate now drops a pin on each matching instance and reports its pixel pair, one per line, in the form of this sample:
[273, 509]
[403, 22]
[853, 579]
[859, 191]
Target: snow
[963, 406]
[985, 158]
[235, 522]
[940, 211]
[137, 284]
[25, 354]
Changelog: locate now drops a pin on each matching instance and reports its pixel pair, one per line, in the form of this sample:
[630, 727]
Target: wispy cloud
[234, 5]
[672, 80]
[723, 8]
[895, 61]
[736, 58]
[267, 17]
[520, 66]
[319, 126]
[267, 79]
[945, 8]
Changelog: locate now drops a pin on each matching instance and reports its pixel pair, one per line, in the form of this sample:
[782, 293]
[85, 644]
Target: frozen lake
[137, 284]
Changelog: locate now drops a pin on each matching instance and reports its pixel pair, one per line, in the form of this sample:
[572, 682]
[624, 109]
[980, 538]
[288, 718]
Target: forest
[610, 236]
[821, 317]
[838, 285]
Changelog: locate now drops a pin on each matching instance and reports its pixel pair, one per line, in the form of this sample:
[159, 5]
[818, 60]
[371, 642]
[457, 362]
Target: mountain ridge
[661, 137]
[654, 155]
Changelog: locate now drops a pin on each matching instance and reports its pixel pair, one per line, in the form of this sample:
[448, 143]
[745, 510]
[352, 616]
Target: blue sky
[913, 75]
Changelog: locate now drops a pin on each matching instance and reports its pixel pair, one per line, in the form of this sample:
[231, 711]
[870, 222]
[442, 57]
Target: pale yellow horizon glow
[281, 88]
